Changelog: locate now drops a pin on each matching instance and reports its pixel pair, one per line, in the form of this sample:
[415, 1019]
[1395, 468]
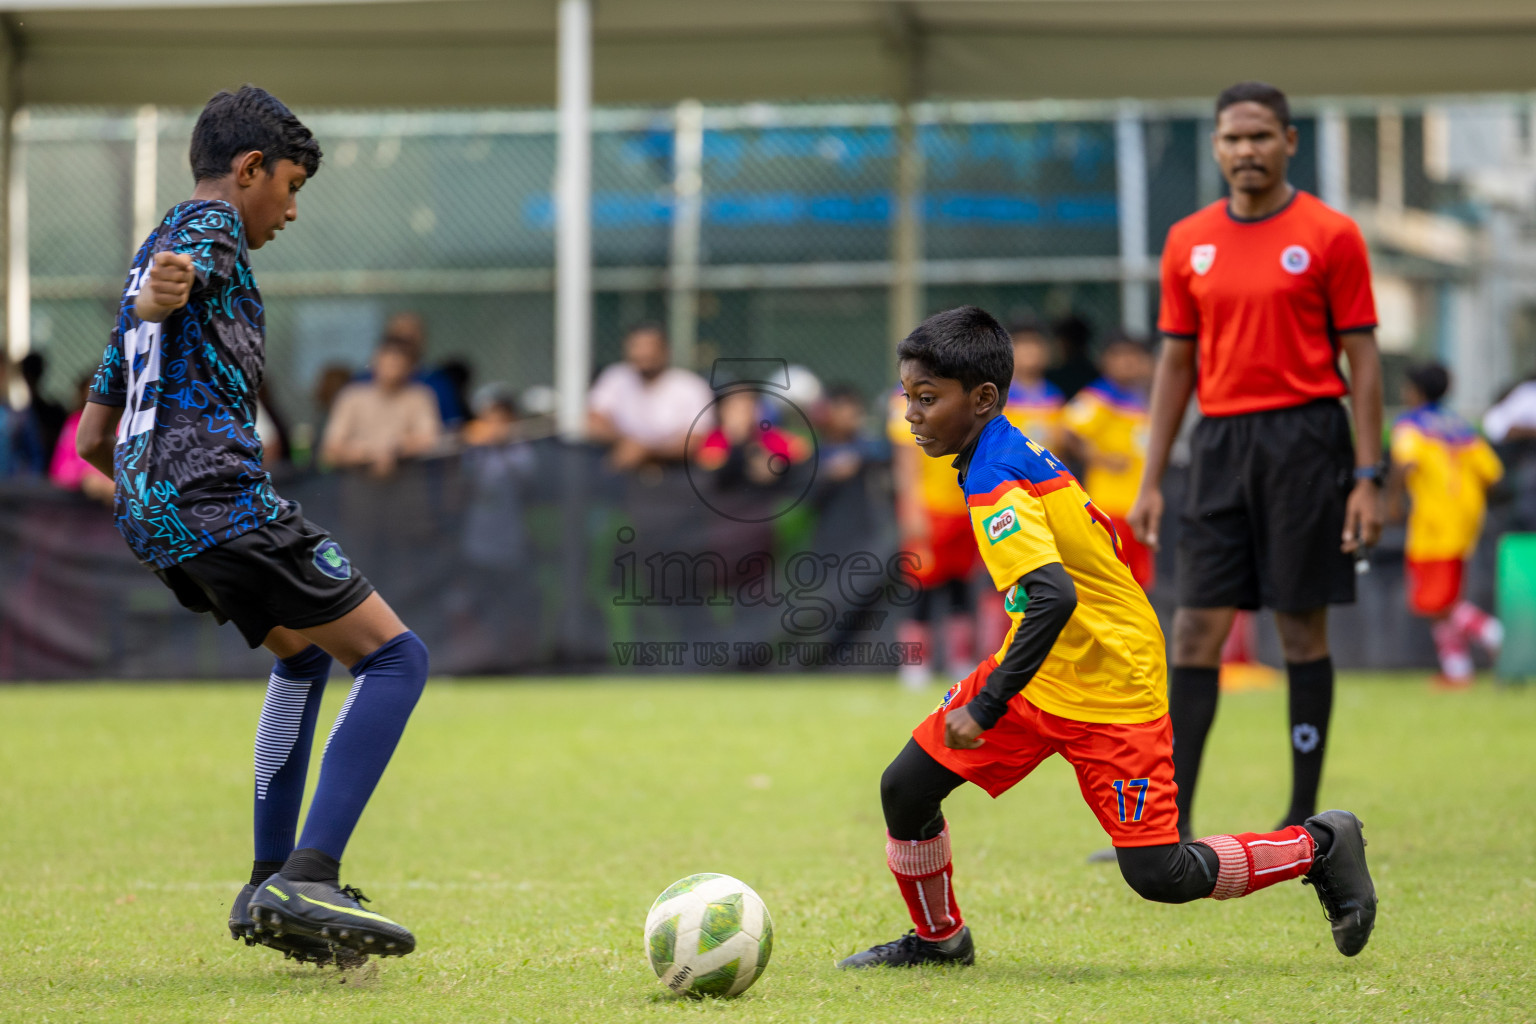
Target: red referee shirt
[1266, 300]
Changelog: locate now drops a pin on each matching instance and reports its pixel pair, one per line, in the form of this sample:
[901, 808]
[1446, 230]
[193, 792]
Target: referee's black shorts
[288, 572]
[1264, 514]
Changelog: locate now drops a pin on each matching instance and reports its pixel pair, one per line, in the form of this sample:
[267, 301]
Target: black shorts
[286, 573]
[1264, 515]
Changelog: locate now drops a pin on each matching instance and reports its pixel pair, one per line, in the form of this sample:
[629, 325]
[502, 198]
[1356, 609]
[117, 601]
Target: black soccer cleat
[293, 946]
[909, 951]
[283, 907]
[1343, 884]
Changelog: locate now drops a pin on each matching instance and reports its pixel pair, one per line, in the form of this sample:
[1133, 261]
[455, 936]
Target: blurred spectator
[1107, 427]
[840, 433]
[9, 420]
[1076, 370]
[747, 445]
[1514, 417]
[68, 470]
[376, 423]
[644, 407]
[496, 417]
[37, 432]
[1034, 403]
[456, 374]
[334, 377]
[411, 330]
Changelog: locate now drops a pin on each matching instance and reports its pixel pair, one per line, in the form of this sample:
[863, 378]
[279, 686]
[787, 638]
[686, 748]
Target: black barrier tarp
[534, 558]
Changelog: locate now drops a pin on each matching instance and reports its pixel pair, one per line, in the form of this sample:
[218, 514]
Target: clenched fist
[166, 288]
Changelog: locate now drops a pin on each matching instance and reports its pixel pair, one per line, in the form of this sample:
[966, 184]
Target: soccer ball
[708, 935]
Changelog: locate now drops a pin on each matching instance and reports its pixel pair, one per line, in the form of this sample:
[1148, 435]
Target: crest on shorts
[949, 695]
[330, 560]
[1295, 259]
[1000, 524]
[1201, 257]
[1015, 600]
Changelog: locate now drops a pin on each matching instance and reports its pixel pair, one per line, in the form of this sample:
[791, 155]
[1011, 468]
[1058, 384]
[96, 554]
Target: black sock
[311, 865]
[1192, 694]
[1322, 839]
[1311, 703]
[262, 870]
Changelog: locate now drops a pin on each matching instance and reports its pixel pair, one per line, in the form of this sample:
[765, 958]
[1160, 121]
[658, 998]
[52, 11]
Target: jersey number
[1114, 537]
[1139, 786]
[141, 351]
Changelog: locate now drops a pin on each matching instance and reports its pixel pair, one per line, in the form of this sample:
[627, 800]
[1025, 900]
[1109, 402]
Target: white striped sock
[282, 713]
[341, 716]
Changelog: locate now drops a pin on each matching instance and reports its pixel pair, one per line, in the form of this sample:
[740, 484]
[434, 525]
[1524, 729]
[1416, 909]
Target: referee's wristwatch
[1375, 474]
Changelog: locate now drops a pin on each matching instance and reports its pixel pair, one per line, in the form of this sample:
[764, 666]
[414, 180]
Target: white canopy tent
[393, 53]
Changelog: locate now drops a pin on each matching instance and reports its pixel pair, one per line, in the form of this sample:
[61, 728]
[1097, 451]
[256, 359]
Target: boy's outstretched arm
[166, 288]
[1052, 600]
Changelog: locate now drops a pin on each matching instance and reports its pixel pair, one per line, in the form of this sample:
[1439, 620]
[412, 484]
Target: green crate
[1517, 605]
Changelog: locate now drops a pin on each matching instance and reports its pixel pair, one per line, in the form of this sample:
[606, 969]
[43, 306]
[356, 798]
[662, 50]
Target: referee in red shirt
[1260, 293]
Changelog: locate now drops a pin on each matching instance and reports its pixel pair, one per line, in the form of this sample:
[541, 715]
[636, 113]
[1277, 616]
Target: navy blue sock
[284, 735]
[388, 683]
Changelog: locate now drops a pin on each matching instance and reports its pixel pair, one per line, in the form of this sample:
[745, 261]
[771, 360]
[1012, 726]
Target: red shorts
[948, 554]
[1434, 587]
[1137, 555]
[1124, 771]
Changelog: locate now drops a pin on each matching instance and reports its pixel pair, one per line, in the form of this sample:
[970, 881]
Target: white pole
[146, 168]
[1131, 193]
[573, 218]
[18, 273]
[687, 228]
[1333, 157]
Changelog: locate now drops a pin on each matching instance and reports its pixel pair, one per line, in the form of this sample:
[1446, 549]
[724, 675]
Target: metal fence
[1039, 208]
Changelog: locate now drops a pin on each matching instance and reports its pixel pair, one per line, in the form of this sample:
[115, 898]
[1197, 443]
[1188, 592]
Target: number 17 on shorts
[1127, 790]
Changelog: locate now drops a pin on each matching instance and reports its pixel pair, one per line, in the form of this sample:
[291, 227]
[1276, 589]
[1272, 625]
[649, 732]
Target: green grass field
[524, 829]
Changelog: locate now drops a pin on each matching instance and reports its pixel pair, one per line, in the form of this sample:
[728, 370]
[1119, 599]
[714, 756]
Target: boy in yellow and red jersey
[1107, 424]
[1447, 470]
[935, 530]
[1081, 674]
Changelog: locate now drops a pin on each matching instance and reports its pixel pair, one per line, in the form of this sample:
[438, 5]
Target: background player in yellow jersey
[1034, 404]
[1082, 673]
[1447, 470]
[936, 532]
[1106, 423]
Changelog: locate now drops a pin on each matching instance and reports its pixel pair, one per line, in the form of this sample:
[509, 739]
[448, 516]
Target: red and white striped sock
[1451, 648]
[1475, 624]
[1253, 861]
[923, 871]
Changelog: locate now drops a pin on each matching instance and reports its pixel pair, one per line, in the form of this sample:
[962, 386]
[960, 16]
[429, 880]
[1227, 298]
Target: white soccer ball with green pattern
[708, 935]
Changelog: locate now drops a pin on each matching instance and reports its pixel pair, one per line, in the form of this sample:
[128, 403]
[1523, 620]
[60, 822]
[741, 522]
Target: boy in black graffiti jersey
[172, 417]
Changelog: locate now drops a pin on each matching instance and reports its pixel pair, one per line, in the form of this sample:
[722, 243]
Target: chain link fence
[450, 214]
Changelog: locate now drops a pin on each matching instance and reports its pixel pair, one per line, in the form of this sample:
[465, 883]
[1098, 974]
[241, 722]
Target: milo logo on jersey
[1000, 524]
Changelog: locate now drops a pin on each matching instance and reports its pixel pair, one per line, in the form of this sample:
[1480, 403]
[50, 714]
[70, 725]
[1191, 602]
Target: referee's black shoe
[1342, 882]
[293, 946]
[321, 910]
[909, 951]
